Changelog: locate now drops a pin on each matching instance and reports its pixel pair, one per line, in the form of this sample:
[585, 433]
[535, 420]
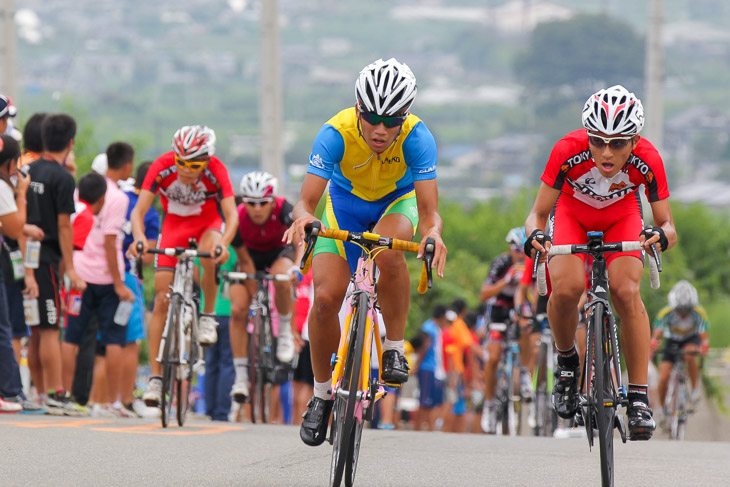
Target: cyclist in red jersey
[591, 183]
[197, 202]
[263, 220]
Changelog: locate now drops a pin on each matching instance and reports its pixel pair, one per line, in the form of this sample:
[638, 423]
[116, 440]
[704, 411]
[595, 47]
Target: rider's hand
[655, 344]
[224, 256]
[652, 235]
[132, 250]
[704, 348]
[439, 256]
[124, 293]
[299, 228]
[538, 241]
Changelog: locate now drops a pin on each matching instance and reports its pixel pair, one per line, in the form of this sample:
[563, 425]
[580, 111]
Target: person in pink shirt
[101, 264]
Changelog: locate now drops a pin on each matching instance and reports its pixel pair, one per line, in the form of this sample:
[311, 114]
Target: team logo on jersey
[599, 192]
[616, 186]
[316, 161]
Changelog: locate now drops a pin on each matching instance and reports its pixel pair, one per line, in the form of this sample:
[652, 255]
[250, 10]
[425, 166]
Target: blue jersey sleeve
[151, 224]
[327, 150]
[419, 150]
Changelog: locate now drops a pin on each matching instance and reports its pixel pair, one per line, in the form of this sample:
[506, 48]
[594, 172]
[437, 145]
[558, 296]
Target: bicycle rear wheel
[170, 358]
[605, 395]
[514, 400]
[542, 410]
[346, 435]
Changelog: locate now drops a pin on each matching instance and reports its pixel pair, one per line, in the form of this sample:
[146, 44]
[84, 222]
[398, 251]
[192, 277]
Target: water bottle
[32, 253]
[124, 310]
[30, 309]
[73, 303]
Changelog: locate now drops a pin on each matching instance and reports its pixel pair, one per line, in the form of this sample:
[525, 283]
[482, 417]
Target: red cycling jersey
[198, 199]
[268, 236]
[572, 170]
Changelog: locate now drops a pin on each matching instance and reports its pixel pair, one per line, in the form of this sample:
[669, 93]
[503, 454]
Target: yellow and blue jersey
[677, 327]
[341, 155]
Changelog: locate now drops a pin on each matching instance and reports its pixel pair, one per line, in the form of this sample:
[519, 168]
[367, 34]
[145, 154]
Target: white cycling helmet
[614, 111]
[516, 236]
[683, 296]
[258, 184]
[386, 88]
[193, 142]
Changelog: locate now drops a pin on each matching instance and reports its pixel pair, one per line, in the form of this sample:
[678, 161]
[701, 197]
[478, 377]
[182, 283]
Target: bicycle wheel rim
[605, 398]
[540, 392]
[352, 457]
[170, 359]
[350, 382]
[514, 403]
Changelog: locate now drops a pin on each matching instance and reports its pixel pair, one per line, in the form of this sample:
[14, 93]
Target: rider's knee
[624, 292]
[327, 303]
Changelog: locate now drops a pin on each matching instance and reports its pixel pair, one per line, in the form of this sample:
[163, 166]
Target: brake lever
[138, 260]
[428, 255]
[312, 230]
[218, 252]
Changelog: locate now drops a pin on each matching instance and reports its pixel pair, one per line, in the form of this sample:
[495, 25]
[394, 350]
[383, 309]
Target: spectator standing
[431, 371]
[50, 205]
[12, 218]
[101, 265]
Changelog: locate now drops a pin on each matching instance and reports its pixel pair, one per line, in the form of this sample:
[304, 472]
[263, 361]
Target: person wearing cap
[7, 110]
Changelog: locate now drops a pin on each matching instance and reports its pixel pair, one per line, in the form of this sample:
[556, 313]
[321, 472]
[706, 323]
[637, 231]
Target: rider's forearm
[430, 223]
[303, 208]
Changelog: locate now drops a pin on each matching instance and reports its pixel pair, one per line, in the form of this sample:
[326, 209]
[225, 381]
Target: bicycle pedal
[388, 384]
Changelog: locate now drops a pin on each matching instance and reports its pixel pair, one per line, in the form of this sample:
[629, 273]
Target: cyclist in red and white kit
[263, 217]
[591, 183]
[197, 202]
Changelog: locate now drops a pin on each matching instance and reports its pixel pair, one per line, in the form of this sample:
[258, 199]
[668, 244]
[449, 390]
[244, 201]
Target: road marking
[156, 429]
[57, 424]
[144, 429]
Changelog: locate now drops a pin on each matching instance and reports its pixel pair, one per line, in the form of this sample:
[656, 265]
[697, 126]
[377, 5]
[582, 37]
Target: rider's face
[189, 171]
[378, 137]
[609, 159]
[259, 210]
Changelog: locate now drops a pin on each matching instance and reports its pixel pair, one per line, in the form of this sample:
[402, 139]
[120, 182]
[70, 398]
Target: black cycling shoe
[313, 431]
[395, 367]
[641, 422]
[565, 391]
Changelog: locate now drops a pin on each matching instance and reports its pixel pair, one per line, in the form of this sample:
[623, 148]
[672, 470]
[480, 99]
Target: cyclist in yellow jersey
[381, 161]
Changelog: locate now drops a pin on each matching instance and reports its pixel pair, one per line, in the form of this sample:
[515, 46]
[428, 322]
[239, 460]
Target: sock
[569, 358]
[241, 366]
[399, 345]
[637, 392]
[322, 390]
[285, 325]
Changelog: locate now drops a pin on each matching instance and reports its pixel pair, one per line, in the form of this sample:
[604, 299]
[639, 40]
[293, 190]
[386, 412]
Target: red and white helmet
[387, 88]
[193, 142]
[614, 111]
[258, 184]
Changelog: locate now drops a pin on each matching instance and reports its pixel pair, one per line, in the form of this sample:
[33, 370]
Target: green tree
[581, 51]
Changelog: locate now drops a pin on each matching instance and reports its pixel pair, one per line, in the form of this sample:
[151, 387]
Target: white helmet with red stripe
[258, 184]
[614, 111]
[194, 142]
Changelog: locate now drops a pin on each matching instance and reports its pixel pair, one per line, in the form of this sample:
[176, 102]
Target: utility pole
[272, 156]
[654, 72]
[7, 48]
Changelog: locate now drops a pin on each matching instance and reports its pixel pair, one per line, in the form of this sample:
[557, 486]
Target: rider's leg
[163, 279]
[330, 276]
[567, 276]
[283, 300]
[395, 282]
[208, 242]
[693, 367]
[624, 274]
[240, 295]
[494, 349]
[665, 369]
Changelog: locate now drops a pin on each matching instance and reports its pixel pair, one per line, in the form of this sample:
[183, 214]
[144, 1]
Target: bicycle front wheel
[185, 381]
[170, 358]
[605, 404]
[344, 453]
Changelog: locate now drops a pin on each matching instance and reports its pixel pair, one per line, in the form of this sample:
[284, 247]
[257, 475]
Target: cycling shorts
[177, 230]
[572, 219]
[346, 211]
[670, 355]
[264, 260]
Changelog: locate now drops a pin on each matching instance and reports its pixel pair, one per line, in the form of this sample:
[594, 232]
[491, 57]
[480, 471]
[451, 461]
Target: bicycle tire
[541, 408]
[185, 382]
[605, 395]
[253, 358]
[342, 439]
[514, 402]
[170, 359]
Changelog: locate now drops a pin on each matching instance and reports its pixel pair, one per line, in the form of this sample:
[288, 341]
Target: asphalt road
[45, 450]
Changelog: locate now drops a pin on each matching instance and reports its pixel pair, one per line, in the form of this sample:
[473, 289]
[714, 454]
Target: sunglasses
[256, 202]
[194, 165]
[614, 143]
[389, 122]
